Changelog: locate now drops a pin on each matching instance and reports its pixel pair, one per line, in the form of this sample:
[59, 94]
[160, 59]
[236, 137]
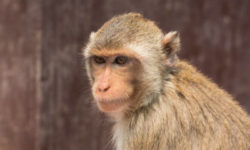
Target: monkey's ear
[171, 45]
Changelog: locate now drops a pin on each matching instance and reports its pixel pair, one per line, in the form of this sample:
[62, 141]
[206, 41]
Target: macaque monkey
[158, 102]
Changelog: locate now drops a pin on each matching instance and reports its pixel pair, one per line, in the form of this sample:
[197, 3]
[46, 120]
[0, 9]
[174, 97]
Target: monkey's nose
[103, 88]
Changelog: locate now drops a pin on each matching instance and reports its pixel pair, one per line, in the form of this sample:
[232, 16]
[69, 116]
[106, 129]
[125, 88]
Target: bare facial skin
[157, 101]
[113, 73]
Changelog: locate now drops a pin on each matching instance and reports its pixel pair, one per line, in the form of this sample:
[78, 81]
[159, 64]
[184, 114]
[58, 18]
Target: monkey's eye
[121, 60]
[99, 60]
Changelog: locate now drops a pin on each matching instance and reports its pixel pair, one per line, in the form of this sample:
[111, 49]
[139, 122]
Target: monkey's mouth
[111, 101]
[111, 105]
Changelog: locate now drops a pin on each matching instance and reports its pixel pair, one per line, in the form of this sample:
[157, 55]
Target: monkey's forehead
[105, 52]
[142, 44]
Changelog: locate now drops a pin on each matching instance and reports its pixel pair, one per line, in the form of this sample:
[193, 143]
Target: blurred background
[45, 101]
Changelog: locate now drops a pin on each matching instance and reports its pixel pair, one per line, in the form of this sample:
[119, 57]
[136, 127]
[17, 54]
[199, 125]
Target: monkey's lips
[111, 105]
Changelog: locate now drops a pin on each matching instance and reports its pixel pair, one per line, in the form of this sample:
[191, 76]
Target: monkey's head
[126, 61]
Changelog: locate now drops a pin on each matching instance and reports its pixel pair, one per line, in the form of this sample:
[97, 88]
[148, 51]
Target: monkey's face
[114, 74]
[126, 59]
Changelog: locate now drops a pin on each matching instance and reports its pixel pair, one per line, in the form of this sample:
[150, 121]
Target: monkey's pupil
[99, 60]
[121, 60]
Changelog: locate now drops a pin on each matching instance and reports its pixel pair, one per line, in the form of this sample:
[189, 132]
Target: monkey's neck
[126, 116]
[132, 125]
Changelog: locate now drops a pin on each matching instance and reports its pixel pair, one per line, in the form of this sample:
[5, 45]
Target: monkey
[156, 100]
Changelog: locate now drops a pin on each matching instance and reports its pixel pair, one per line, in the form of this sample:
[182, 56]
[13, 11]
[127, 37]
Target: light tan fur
[161, 102]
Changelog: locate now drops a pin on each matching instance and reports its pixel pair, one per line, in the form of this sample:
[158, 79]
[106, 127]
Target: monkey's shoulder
[194, 87]
[187, 75]
[187, 78]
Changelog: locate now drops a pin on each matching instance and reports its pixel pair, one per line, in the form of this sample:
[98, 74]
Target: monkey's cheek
[112, 107]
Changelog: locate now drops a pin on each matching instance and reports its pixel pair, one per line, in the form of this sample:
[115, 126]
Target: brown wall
[45, 101]
[20, 69]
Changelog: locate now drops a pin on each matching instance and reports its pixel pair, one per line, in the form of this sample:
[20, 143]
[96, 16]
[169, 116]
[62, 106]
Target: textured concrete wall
[45, 101]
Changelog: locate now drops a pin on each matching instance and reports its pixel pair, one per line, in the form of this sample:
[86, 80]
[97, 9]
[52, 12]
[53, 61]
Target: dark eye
[121, 60]
[99, 60]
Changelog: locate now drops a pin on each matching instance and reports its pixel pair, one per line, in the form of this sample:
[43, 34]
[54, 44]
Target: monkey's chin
[110, 106]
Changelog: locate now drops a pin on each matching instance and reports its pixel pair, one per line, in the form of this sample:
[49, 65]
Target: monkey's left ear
[171, 45]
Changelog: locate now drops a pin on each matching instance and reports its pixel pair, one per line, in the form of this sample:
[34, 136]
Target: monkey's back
[202, 115]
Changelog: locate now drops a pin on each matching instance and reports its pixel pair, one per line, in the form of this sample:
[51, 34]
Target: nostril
[103, 89]
[106, 89]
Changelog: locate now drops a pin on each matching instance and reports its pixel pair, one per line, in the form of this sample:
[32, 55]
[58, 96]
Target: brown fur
[172, 106]
[192, 113]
